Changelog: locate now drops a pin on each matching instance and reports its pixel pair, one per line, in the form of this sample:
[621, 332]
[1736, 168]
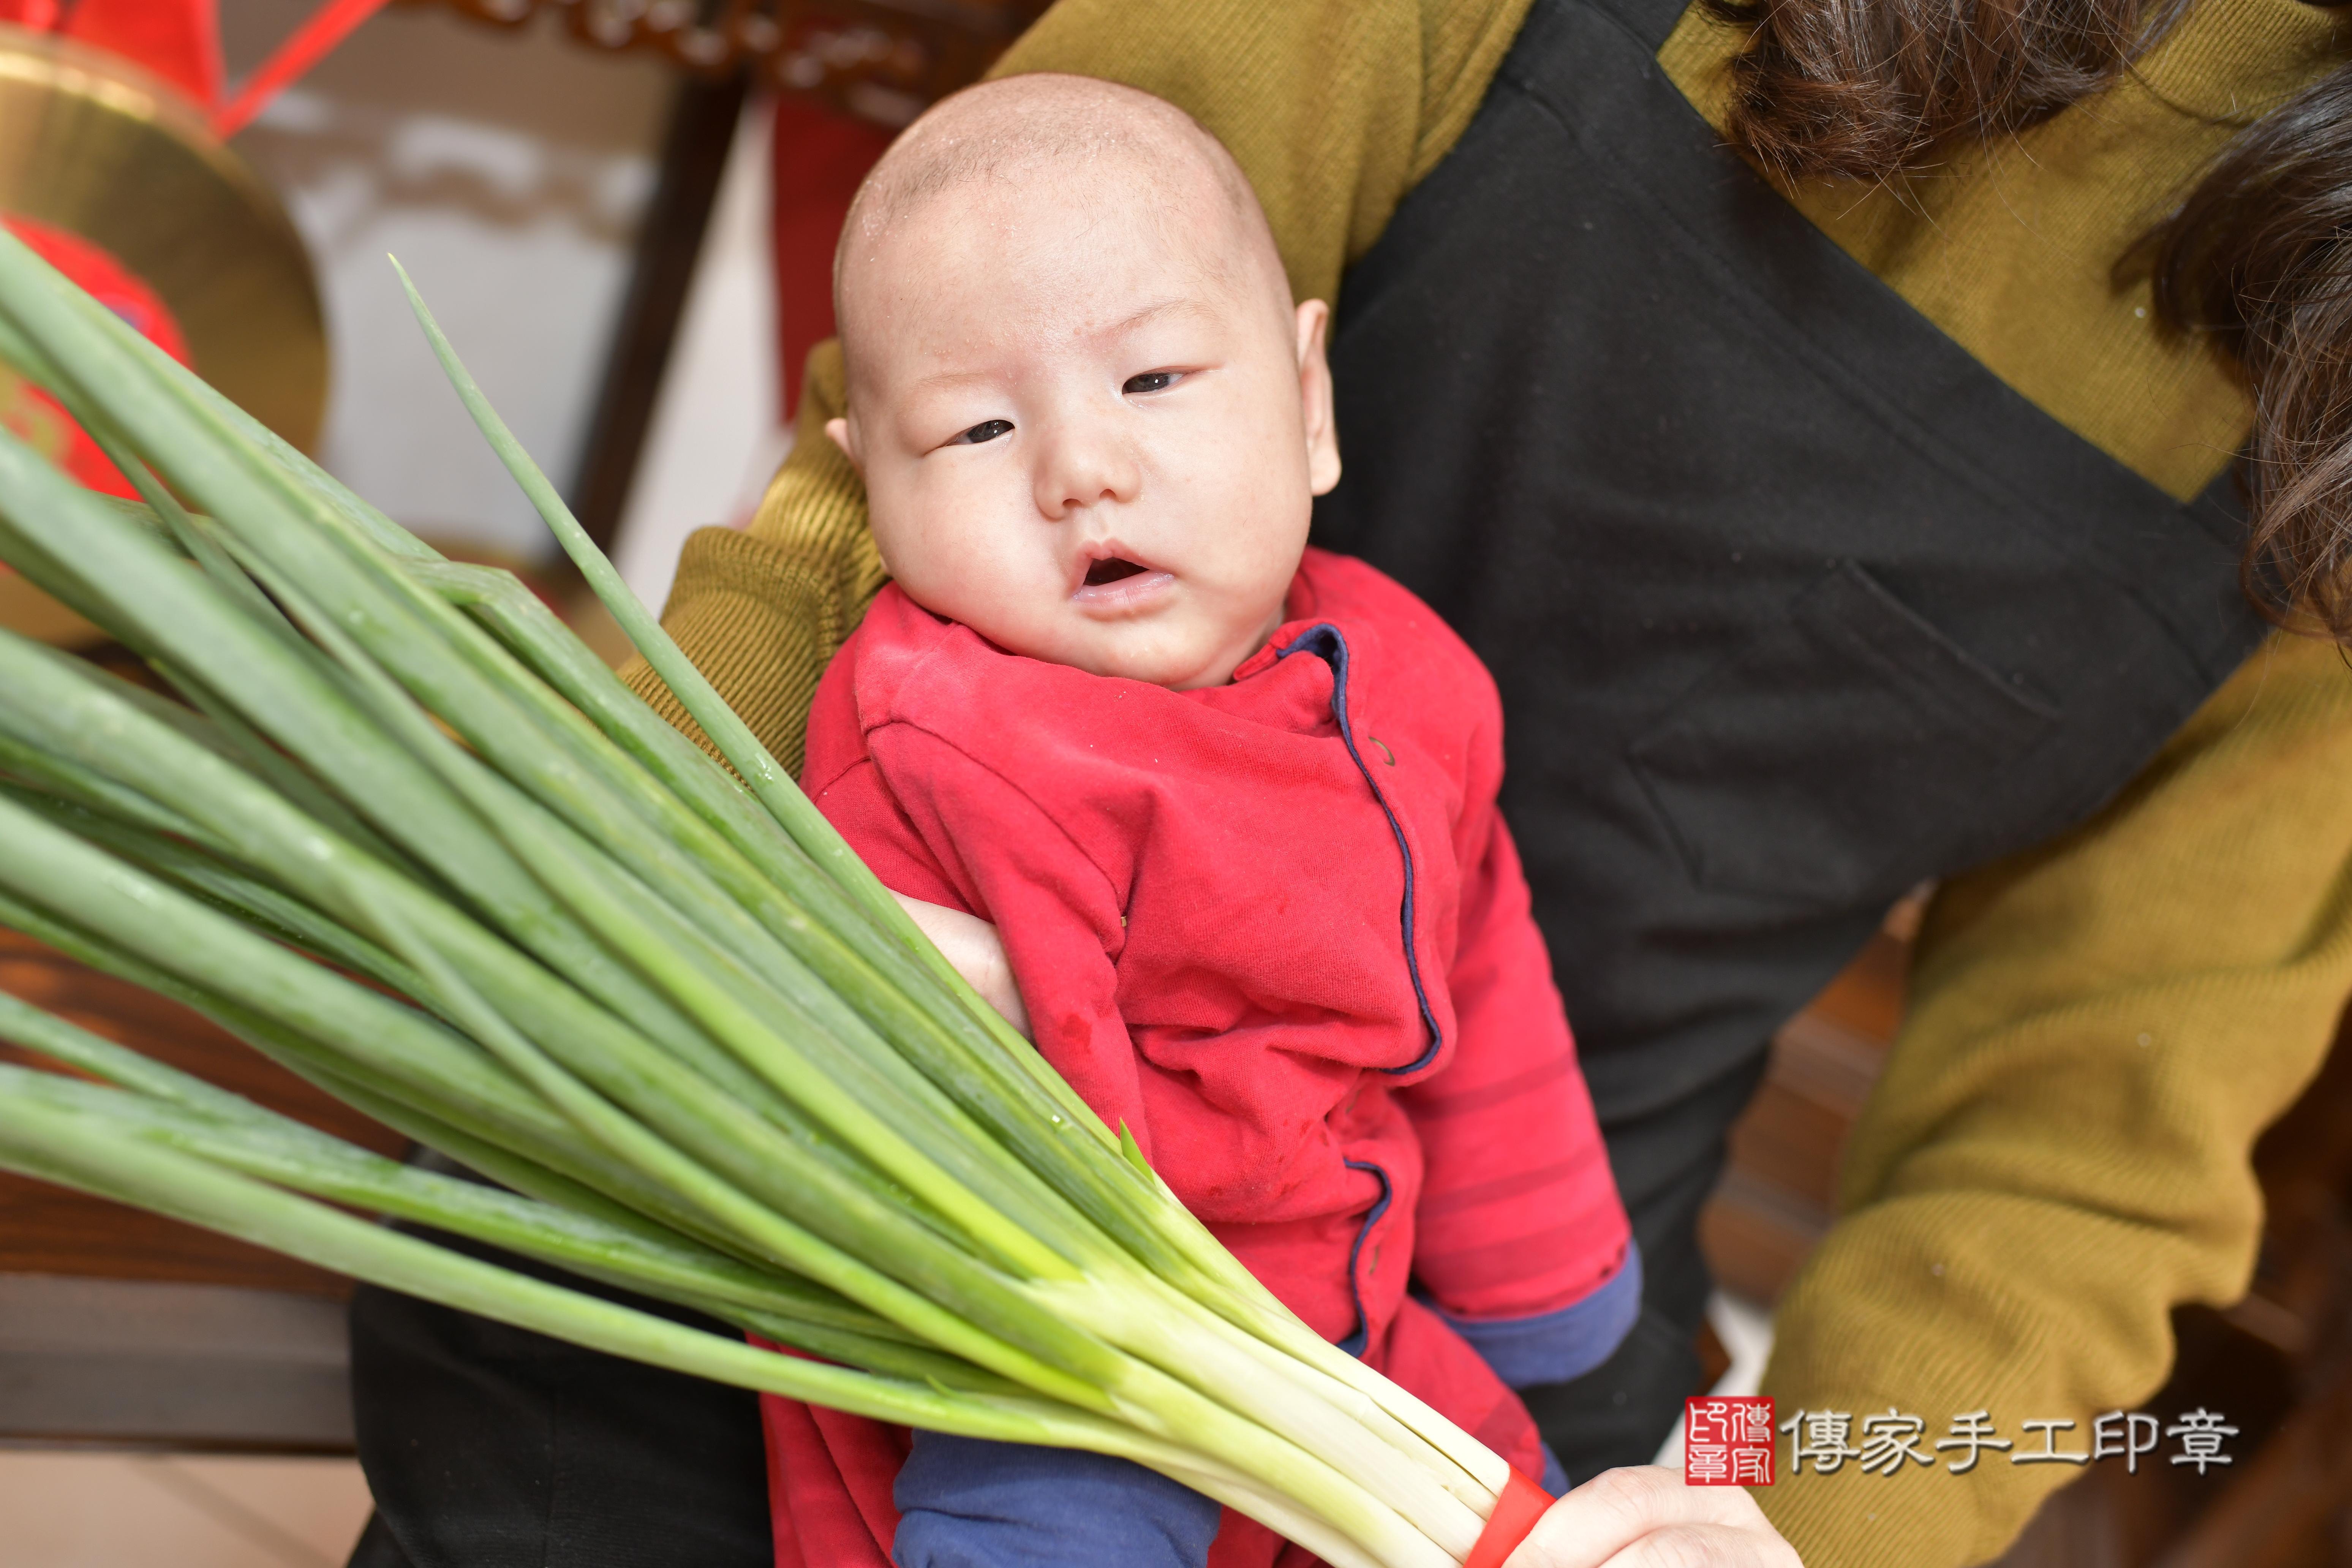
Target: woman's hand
[1646, 1517]
[971, 944]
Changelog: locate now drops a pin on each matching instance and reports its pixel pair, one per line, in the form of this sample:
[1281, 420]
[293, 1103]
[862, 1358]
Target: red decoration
[41, 15]
[32, 416]
[179, 40]
[819, 159]
[303, 48]
[1513, 1519]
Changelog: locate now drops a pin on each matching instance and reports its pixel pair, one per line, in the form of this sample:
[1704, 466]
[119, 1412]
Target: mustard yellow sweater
[2058, 1152]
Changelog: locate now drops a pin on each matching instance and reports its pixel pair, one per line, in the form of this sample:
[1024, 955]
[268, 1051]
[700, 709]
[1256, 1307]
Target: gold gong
[91, 143]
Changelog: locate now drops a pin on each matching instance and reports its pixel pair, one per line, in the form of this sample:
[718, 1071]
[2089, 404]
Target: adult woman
[1826, 532]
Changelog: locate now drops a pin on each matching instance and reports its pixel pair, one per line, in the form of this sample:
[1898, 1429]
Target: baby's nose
[1082, 468]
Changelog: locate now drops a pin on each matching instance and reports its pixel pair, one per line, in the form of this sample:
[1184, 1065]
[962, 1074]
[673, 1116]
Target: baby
[1229, 802]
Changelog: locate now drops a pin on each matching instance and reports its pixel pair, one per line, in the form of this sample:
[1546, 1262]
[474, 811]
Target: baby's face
[1091, 426]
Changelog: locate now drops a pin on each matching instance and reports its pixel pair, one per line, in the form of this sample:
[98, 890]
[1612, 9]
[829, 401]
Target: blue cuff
[1553, 1347]
[966, 1503]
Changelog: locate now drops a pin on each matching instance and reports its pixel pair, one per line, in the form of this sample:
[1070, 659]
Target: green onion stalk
[399, 830]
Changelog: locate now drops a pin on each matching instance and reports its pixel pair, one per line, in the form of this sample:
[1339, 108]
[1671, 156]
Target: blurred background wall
[509, 172]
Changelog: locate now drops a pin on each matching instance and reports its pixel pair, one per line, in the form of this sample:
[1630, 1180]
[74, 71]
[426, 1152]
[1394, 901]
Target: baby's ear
[1315, 398]
[838, 431]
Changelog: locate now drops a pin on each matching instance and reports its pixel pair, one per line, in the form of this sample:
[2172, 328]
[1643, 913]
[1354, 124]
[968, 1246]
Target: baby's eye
[987, 430]
[1152, 380]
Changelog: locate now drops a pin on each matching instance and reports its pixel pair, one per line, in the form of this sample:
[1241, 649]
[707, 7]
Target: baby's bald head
[1090, 422]
[1021, 150]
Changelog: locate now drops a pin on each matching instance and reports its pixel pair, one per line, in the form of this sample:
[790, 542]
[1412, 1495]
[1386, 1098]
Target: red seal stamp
[1727, 1441]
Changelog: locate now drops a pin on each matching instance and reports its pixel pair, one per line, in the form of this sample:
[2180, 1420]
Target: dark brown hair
[2255, 259]
[1872, 88]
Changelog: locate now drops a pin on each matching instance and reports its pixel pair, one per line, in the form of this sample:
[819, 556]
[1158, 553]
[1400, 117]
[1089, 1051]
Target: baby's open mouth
[1110, 571]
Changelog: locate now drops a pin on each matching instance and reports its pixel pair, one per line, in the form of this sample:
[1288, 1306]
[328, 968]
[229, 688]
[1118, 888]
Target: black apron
[1792, 604]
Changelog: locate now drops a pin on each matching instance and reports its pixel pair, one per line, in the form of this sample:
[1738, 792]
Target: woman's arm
[1334, 107]
[2058, 1152]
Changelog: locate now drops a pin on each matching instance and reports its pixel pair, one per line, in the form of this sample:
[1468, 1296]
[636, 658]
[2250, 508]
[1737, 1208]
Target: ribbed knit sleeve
[2058, 1152]
[761, 612]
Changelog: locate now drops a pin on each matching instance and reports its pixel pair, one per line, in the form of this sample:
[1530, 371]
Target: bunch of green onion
[405, 834]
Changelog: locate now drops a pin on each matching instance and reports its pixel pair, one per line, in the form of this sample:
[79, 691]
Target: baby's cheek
[1258, 554]
[994, 586]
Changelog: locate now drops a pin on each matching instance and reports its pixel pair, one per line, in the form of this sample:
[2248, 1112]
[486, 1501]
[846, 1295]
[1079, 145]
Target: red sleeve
[1518, 1212]
[849, 791]
[862, 809]
[1057, 914]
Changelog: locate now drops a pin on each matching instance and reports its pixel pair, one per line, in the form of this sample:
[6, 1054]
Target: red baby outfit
[1276, 928]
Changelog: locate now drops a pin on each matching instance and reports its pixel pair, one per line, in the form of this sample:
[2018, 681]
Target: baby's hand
[971, 944]
[1646, 1517]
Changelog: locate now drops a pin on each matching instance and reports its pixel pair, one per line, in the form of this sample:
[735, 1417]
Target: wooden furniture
[881, 60]
[143, 1363]
[117, 1326]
